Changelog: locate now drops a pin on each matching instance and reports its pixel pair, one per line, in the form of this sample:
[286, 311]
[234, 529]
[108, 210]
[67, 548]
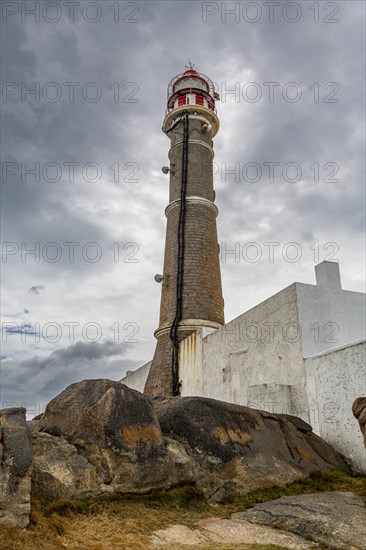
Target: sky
[84, 89]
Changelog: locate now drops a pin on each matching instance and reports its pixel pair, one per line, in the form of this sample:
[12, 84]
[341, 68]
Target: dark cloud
[40, 378]
[36, 289]
[88, 350]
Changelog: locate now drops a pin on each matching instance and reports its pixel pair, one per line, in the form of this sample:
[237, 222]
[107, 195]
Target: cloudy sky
[83, 100]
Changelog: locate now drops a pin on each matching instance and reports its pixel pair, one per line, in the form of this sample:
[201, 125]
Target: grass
[327, 480]
[125, 522]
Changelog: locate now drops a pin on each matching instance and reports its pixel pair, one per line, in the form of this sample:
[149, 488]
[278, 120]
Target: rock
[236, 449]
[215, 531]
[100, 436]
[33, 424]
[59, 471]
[359, 411]
[179, 534]
[336, 519]
[15, 468]
[114, 429]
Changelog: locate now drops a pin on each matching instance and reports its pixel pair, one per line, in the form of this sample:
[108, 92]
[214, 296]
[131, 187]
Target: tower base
[159, 382]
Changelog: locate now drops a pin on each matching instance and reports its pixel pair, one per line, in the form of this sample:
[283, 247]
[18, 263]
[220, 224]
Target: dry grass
[94, 532]
[125, 522]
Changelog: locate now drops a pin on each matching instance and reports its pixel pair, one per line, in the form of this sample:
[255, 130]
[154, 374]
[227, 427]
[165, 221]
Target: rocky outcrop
[15, 468]
[218, 533]
[105, 438]
[236, 449]
[59, 471]
[336, 519]
[100, 436]
[359, 411]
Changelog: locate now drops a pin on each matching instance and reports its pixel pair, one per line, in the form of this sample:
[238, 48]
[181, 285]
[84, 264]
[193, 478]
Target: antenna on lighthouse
[191, 65]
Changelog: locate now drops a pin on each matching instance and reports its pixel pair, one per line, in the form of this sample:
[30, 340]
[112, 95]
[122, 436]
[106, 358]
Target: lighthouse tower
[191, 286]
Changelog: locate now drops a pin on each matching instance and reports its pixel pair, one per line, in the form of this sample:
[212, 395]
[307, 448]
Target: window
[190, 83]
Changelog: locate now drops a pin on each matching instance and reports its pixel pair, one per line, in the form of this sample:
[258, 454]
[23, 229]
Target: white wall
[190, 365]
[334, 379]
[262, 346]
[329, 316]
[136, 379]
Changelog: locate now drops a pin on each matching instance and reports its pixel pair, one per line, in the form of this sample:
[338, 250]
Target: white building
[300, 352]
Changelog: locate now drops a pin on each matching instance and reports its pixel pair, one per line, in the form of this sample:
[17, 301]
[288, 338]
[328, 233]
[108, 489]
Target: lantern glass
[190, 83]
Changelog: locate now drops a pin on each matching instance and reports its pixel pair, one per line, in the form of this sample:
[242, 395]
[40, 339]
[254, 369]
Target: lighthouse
[191, 297]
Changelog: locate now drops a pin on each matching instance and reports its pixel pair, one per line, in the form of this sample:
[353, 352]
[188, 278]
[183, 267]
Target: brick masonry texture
[202, 290]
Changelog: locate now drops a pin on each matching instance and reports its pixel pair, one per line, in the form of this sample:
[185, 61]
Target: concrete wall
[260, 347]
[190, 365]
[329, 316]
[136, 379]
[334, 379]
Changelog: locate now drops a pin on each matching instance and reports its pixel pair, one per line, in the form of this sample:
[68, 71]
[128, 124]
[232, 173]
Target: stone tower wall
[202, 290]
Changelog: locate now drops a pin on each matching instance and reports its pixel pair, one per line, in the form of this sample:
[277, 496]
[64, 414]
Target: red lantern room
[195, 93]
[191, 88]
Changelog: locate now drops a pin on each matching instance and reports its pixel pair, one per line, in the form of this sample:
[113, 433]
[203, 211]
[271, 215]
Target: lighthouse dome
[191, 88]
